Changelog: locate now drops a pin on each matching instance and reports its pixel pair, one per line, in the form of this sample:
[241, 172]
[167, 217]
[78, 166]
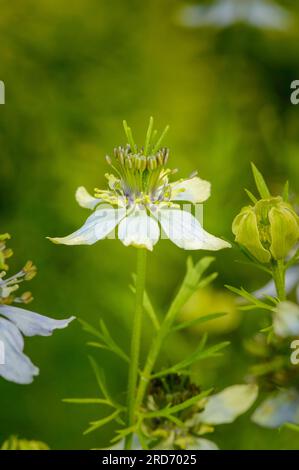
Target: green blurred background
[73, 71]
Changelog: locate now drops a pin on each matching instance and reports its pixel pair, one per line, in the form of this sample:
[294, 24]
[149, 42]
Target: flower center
[140, 175]
[11, 284]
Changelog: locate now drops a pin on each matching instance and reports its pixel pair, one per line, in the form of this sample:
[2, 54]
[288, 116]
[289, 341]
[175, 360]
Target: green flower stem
[176, 305]
[135, 341]
[278, 270]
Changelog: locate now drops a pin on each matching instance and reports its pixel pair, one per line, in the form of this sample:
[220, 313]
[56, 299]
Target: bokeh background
[73, 71]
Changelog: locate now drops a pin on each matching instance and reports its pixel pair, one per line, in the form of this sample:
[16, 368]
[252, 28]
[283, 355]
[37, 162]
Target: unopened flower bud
[268, 230]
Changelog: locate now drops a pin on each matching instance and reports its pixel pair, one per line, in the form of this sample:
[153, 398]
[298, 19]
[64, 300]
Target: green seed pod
[268, 230]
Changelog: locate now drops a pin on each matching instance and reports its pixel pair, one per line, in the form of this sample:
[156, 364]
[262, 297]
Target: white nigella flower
[224, 13]
[280, 408]
[140, 200]
[17, 322]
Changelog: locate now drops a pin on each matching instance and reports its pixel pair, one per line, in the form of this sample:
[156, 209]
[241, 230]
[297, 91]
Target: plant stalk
[278, 271]
[135, 341]
[156, 347]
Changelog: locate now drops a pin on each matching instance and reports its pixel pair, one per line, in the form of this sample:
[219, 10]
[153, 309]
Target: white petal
[30, 323]
[203, 444]
[96, 227]
[279, 408]
[17, 367]
[186, 232]
[193, 190]
[291, 279]
[286, 319]
[85, 199]
[139, 229]
[226, 406]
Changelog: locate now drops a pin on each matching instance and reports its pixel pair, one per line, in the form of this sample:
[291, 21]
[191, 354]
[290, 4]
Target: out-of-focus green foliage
[72, 73]
[14, 443]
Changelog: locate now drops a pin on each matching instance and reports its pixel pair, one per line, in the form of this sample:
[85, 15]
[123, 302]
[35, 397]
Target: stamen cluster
[141, 172]
[11, 284]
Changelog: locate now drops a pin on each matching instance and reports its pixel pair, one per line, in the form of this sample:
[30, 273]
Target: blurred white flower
[224, 13]
[280, 408]
[286, 319]
[15, 322]
[226, 406]
[221, 408]
[203, 444]
[17, 366]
